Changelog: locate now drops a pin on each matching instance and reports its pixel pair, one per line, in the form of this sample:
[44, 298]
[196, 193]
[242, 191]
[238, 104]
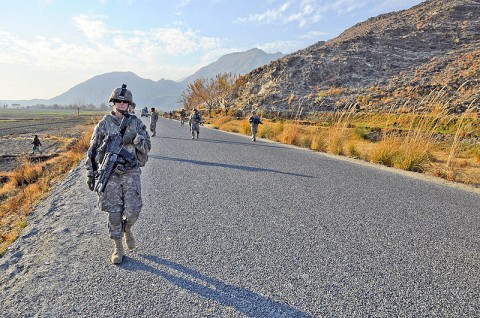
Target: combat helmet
[122, 94]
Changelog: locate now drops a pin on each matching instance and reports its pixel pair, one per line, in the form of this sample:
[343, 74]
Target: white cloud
[280, 46]
[100, 48]
[92, 27]
[314, 35]
[303, 13]
[347, 6]
[269, 16]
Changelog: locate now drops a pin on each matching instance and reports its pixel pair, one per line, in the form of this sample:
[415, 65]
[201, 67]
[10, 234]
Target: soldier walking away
[153, 121]
[194, 122]
[183, 116]
[254, 121]
[118, 148]
[36, 145]
[170, 115]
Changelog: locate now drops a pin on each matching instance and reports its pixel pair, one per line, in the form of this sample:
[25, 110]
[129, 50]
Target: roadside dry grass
[435, 143]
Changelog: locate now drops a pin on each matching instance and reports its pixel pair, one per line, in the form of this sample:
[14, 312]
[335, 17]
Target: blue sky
[49, 46]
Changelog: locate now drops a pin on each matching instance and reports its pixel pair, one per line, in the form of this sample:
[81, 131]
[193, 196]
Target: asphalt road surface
[235, 228]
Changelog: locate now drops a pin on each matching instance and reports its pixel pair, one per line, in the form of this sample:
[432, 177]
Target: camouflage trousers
[195, 129]
[122, 199]
[153, 128]
[254, 128]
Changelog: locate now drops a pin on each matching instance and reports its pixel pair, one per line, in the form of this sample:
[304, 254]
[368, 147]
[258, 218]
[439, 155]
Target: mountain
[409, 53]
[235, 63]
[163, 94]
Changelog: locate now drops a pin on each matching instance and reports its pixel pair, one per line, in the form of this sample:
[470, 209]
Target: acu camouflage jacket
[109, 125]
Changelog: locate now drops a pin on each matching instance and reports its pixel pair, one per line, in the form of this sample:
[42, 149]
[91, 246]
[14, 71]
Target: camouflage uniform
[194, 122]
[183, 115]
[122, 195]
[254, 121]
[153, 122]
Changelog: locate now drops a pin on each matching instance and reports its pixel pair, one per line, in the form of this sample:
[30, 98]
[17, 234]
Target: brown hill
[390, 60]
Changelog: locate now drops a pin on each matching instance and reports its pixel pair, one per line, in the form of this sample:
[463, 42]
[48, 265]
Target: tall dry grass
[409, 137]
[409, 147]
[337, 132]
[290, 134]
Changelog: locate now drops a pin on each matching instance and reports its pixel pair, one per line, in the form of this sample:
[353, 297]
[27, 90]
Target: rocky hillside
[394, 59]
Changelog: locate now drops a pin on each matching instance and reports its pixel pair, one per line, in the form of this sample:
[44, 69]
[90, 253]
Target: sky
[49, 46]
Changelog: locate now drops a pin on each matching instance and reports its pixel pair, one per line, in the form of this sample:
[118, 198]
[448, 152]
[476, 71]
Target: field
[57, 129]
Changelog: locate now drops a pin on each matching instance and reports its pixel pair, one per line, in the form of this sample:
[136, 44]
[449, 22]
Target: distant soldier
[194, 122]
[183, 116]
[153, 121]
[131, 108]
[36, 145]
[254, 121]
[121, 196]
[170, 114]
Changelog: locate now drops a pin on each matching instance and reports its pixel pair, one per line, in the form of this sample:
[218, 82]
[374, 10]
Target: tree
[212, 92]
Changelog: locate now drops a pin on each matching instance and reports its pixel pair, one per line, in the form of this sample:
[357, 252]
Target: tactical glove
[91, 182]
[129, 136]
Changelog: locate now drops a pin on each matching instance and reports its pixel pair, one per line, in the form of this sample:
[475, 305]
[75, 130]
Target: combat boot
[129, 239]
[117, 256]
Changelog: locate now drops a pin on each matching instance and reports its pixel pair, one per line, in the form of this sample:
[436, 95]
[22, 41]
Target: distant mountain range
[163, 94]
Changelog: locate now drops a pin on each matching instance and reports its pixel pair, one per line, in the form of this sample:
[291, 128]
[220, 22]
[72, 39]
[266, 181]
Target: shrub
[305, 141]
[266, 131]
[412, 157]
[318, 143]
[352, 150]
[290, 134]
[277, 130]
[246, 130]
[385, 152]
[335, 140]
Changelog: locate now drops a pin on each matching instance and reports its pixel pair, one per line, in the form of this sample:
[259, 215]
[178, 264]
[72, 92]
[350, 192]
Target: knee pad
[129, 222]
[115, 225]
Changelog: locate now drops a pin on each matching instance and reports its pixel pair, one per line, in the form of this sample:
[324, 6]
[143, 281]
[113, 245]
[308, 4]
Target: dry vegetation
[435, 143]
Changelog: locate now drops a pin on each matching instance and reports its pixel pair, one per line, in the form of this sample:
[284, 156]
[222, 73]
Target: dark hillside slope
[369, 57]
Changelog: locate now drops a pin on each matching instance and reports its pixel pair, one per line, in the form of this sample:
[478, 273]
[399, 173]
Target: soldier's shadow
[229, 166]
[243, 300]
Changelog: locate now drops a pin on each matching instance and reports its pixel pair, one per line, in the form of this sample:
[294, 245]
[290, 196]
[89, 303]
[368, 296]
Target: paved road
[232, 228]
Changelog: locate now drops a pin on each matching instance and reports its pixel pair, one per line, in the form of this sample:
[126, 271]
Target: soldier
[194, 122]
[183, 115]
[254, 121]
[121, 197]
[153, 121]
